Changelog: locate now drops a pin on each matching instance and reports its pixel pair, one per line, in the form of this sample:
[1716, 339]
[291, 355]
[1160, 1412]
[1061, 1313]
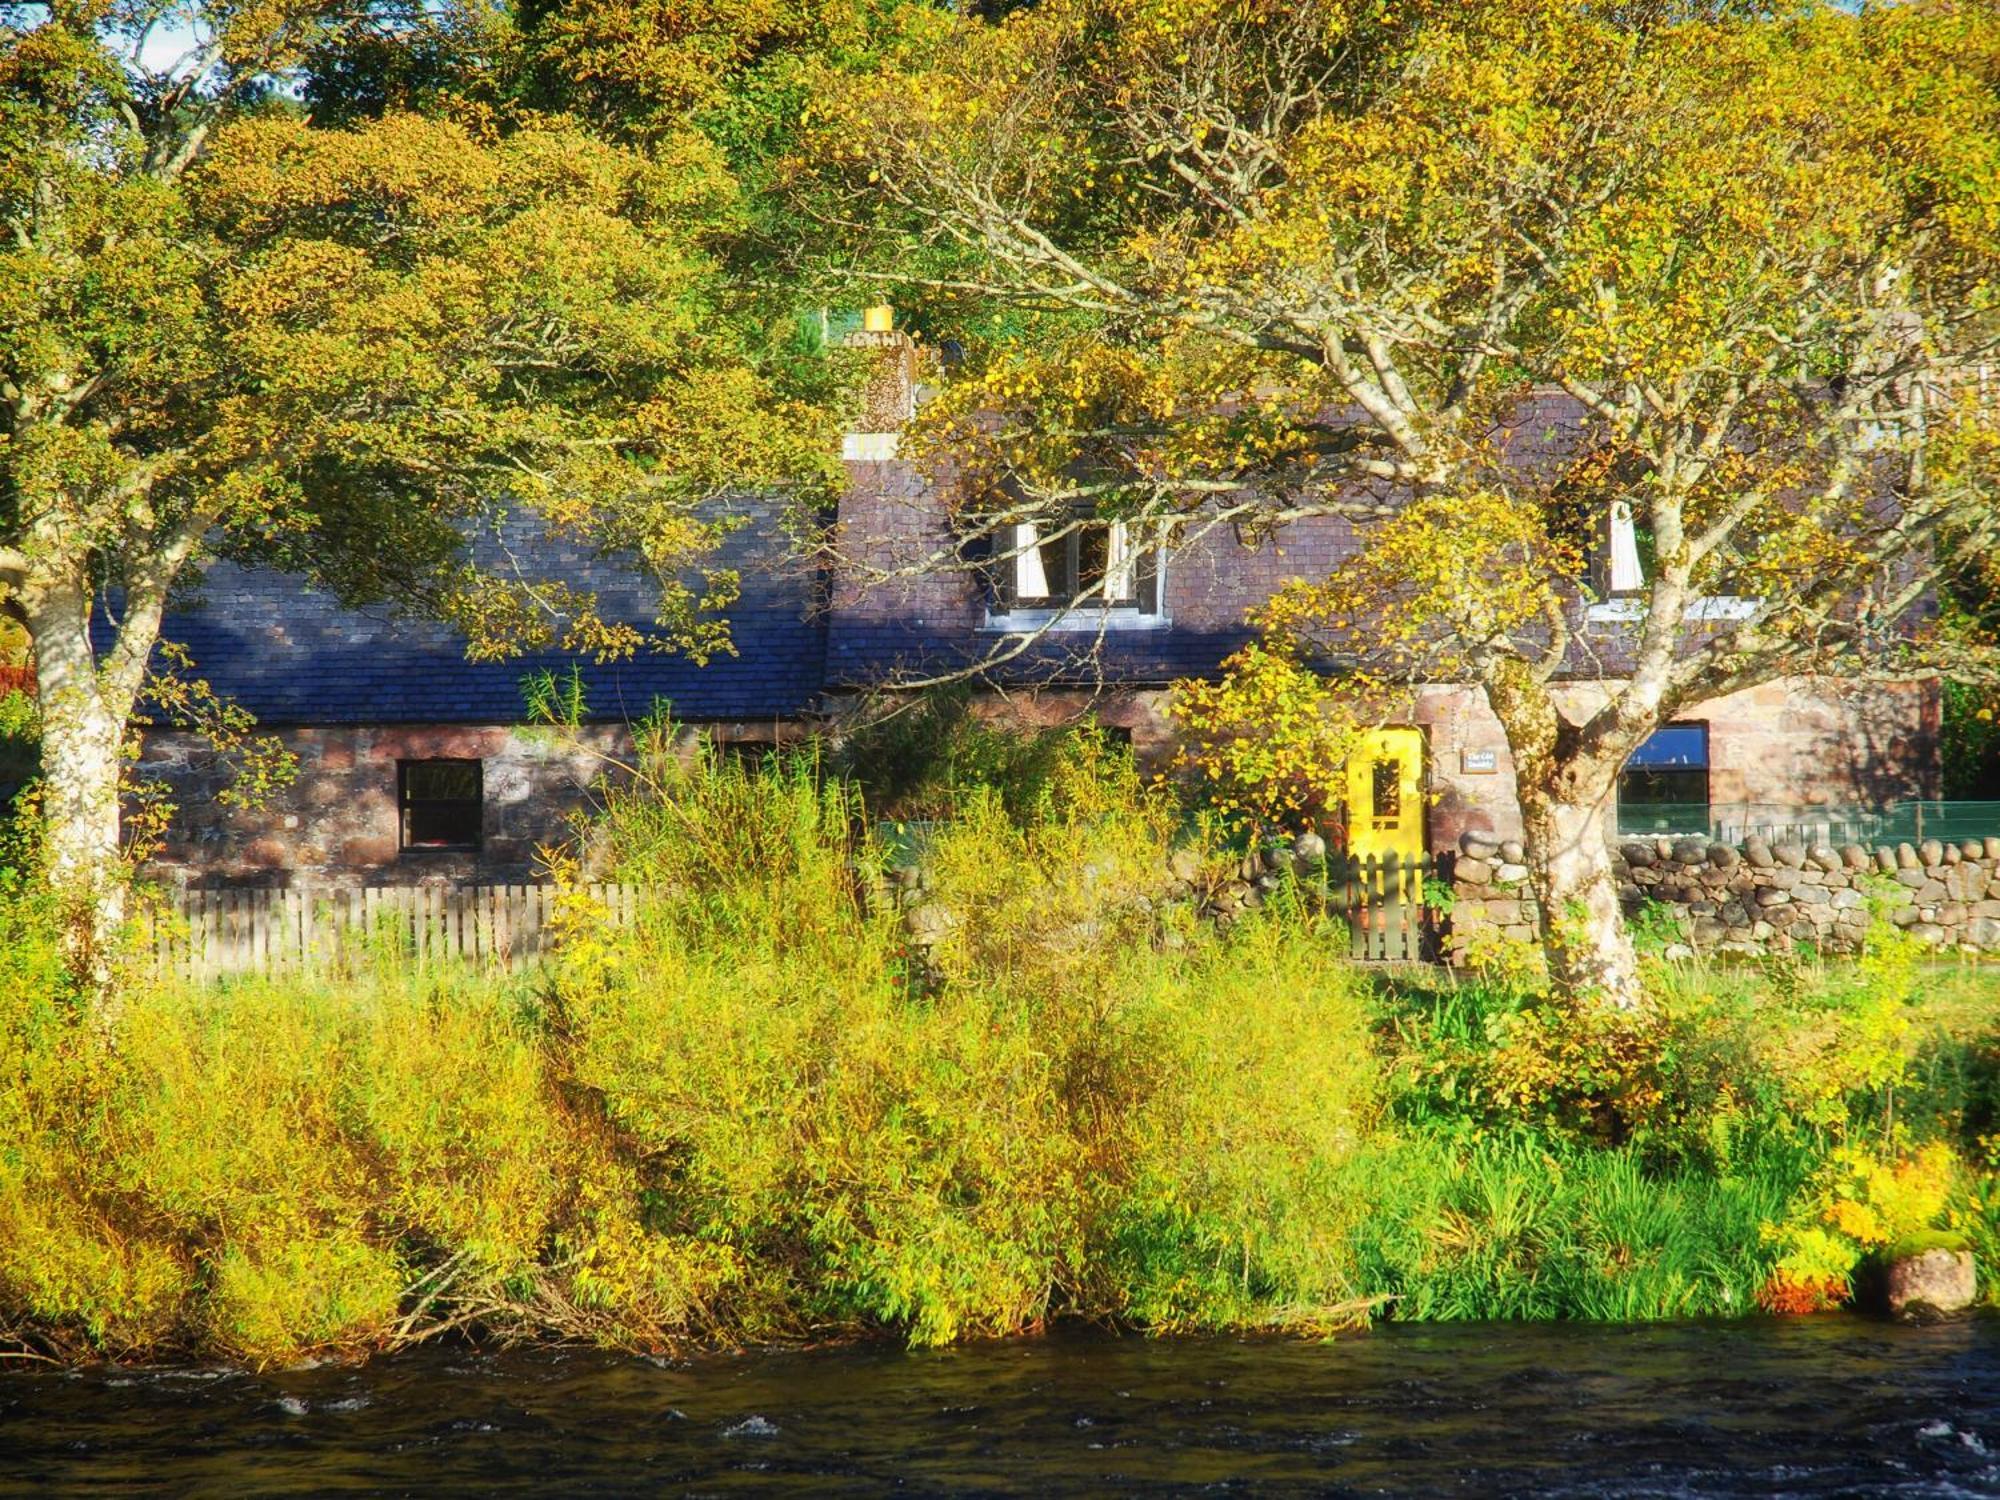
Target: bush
[1239, 1211]
[1719, 1070]
[757, 1112]
[914, 759]
[957, 1161]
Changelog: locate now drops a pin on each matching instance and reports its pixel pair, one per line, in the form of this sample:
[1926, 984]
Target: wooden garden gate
[1391, 916]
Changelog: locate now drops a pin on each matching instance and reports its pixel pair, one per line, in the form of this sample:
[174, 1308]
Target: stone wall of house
[337, 824]
[1797, 743]
[1755, 898]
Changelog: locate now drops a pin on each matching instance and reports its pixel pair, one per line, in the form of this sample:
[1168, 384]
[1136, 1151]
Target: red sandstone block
[367, 851]
[438, 742]
[266, 854]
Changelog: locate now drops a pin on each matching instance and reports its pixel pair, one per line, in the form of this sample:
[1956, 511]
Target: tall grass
[946, 1144]
[1515, 1229]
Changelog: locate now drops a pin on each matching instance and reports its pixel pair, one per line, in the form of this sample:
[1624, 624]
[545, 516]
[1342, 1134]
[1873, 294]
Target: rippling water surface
[1817, 1407]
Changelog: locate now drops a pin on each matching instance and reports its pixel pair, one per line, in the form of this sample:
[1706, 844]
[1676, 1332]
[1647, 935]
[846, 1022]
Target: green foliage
[1263, 746]
[1655, 927]
[1241, 1205]
[1969, 742]
[762, 1111]
[273, 1296]
[1717, 1070]
[919, 758]
[957, 1162]
[344, 343]
[735, 1120]
[20, 745]
[19, 719]
[1637, 207]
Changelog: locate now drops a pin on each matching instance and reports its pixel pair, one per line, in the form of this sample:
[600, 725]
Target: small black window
[1664, 786]
[750, 754]
[441, 803]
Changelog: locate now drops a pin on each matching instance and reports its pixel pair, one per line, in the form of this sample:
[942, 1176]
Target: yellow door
[1385, 794]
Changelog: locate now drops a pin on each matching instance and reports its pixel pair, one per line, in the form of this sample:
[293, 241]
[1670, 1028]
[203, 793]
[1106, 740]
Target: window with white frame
[1099, 568]
[1626, 560]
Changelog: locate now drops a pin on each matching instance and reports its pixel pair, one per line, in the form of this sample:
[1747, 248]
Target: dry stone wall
[1756, 897]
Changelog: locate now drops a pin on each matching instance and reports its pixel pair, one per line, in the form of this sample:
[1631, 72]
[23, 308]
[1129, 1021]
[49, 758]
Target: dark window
[441, 803]
[750, 754]
[1664, 786]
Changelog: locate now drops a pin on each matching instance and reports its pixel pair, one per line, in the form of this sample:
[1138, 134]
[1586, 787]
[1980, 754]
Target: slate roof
[291, 655]
[861, 652]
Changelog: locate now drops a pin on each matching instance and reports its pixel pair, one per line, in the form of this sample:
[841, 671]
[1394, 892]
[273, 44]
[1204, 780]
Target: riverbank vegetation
[760, 1113]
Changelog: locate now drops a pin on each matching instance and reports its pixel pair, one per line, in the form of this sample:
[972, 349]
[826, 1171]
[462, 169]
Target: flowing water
[1827, 1406]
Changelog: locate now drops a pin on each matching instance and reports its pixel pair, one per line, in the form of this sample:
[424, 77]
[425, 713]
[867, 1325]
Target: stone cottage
[414, 766]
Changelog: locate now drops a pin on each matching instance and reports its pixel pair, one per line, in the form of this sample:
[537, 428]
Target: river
[1826, 1406]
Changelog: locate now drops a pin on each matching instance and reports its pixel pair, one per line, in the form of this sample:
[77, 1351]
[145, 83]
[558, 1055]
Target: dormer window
[1623, 577]
[1093, 569]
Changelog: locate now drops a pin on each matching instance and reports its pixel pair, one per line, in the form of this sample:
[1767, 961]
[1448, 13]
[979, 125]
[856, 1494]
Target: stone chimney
[889, 391]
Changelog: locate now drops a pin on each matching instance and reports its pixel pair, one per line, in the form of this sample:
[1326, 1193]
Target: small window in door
[442, 803]
[1388, 792]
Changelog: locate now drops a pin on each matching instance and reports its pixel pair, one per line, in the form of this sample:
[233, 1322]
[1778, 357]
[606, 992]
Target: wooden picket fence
[205, 934]
[1382, 900]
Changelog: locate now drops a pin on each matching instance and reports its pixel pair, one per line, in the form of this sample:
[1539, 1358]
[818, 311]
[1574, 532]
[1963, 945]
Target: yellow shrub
[451, 1093]
[222, 1113]
[1861, 1203]
[1265, 1085]
[70, 1269]
[279, 1296]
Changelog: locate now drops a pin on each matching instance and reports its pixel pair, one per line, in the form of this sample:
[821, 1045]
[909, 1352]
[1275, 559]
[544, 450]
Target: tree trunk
[1590, 953]
[1565, 791]
[82, 740]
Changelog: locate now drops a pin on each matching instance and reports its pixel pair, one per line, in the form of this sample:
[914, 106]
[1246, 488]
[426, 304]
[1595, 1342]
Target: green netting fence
[1893, 823]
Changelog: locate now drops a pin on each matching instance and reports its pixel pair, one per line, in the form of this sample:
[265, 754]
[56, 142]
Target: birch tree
[341, 351]
[1219, 262]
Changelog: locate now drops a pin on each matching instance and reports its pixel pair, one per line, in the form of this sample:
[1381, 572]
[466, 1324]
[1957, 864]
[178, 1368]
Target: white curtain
[1031, 579]
[1119, 560]
[1626, 575]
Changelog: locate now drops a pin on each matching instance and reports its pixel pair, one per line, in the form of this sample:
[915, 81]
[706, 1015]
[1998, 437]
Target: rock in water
[1931, 1284]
